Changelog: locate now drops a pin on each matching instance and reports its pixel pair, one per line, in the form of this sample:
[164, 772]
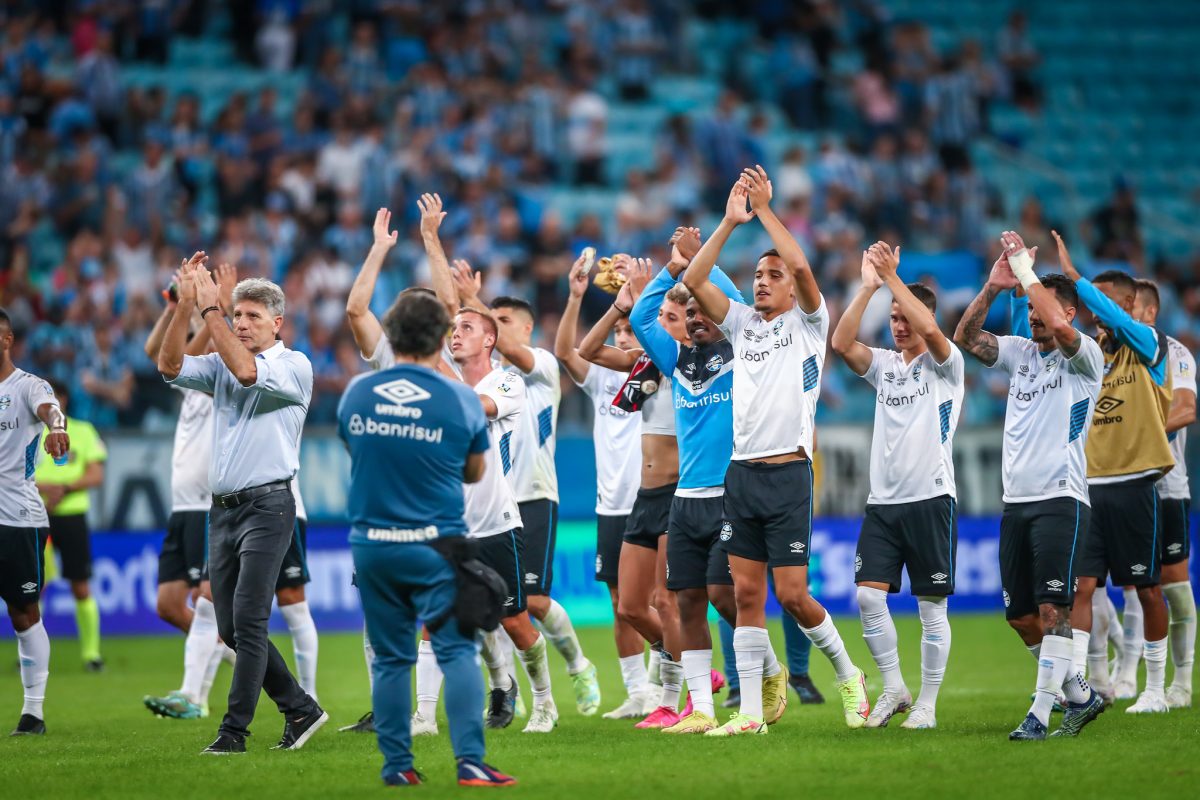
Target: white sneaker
[1178, 697]
[422, 726]
[543, 719]
[887, 706]
[634, 707]
[1124, 686]
[1149, 703]
[921, 718]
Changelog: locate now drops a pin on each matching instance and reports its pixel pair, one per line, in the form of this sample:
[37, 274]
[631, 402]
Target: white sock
[935, 647]
[33, 650]
[537, 667]
[750, 648]
[654, 666]
[1097, 650]
[697, 672]
[304, 644]
[493, 658]
[1035, 650]
[671, 672]
[1131, 653]
[879, 632]
[369, 655]
[1156, 665]
[561, 634]
[825, 637]
[1116, 632]
[210, 674]
[429, 680]
[771, 665]
[508, 649]
[1182, 631]
[633, 673]
[198, 648]
[1075, 687]
[1053, 665]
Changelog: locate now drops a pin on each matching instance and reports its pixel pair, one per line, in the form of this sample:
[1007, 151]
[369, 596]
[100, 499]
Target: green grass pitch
[102, 743]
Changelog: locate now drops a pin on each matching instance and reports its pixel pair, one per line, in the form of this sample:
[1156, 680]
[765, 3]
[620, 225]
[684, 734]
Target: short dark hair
[1122, 280]
[924, 294]
[5, 320]
[513, 302]
[416, 324]
[772, 253]
[1150, 290]
[1063, 288]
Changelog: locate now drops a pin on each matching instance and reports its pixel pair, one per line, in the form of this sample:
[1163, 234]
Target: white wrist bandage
[1022, 267]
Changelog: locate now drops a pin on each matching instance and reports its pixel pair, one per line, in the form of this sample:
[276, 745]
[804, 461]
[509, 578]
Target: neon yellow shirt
[86, 448]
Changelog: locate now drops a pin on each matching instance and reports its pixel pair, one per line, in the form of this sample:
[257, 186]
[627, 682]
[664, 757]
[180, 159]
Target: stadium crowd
[108, 184]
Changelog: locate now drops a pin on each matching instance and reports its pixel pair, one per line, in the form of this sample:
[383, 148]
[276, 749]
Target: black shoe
[29, 725]
[365, 724]
[809, 694]
[95, 665]
[734, 700]
[299, 730]
[227, 744]
[1030, 729]
[502, 705]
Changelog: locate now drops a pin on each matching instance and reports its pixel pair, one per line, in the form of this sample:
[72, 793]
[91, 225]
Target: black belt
[234, 499]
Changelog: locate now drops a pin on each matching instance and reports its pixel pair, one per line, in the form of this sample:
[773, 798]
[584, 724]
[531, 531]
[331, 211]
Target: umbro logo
[1138, 569]
[293, 572]
[530, 577]
[1055, 585]
[1106, 405]
[399, 394]
[599, 563]
[508, 601]
[1174, 548]
[939, 577]
[29, 587]
[797, 547]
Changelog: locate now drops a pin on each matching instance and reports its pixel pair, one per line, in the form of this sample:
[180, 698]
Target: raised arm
[970, 335]
[1044, 301]
[155, 339]
[698, 275]
[237, 358]
[568, 325]
[174, 341]
[758, 189]
[922, 321]
[363, 324]
[845, 336]
[467, 284]
[1140, 337]
[594, 347]
[432, 215]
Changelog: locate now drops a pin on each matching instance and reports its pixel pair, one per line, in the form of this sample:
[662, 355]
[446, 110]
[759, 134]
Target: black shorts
[610, 533]
[694, 555]
[1040, 552]
[539, 525]
[294, 571]
[69, 533]
[22, 572]
[1122, 539]
[502, 552]
[768, 512]
[922, 535]
[650, 517]
[185, 548]
[1174, 540]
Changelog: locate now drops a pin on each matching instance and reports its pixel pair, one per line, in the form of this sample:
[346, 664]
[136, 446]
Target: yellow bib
[1128, 435]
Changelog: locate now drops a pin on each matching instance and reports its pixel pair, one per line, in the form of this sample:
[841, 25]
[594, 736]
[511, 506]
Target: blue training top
[702, 384]
[409, 431]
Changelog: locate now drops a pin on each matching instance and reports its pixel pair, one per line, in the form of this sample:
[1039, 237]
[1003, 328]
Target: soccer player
[1174, 499]
[534, 476]
[27, 408]
[406, 491]
[616, 434]
[910, 519]
[66, 492]
[697, 568]
[778, 349]
[1127, 453]
[644, 601]
[1054, 379]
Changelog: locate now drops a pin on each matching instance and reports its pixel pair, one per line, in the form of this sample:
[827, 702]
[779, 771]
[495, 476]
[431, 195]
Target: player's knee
[871, 600]
[722, 600]
[664, 603]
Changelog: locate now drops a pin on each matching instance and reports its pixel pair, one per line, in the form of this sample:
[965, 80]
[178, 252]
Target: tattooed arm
[970, 335]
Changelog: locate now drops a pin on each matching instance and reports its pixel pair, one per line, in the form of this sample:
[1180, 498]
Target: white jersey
[776, 378]
[21, 395]
[916, 413]
[191, 453]
[1182, 366]
[534, 473]
[1049, 414]
[491, 504]
[658, 411]
[616, 436]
